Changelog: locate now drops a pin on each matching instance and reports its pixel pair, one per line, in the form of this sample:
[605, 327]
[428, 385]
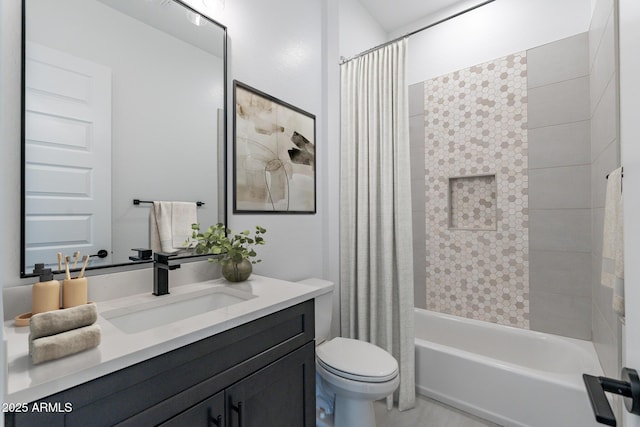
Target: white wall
[492, 31]
[331, 110]
[278, 50]
[630, 152]
[358, 31]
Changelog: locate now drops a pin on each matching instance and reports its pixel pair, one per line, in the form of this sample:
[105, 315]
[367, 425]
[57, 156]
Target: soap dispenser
[45, 294]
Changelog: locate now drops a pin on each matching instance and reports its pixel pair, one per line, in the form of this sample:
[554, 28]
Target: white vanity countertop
[26, 382]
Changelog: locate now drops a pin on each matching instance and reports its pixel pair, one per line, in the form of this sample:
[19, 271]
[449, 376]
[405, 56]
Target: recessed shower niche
[472, 202]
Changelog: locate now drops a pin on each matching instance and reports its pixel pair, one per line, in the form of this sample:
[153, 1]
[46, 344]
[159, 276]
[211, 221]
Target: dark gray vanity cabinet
[271, 396]
[258, 374]
[208, 413]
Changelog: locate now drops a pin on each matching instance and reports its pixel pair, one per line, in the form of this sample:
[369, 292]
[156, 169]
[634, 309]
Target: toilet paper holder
[628, 386]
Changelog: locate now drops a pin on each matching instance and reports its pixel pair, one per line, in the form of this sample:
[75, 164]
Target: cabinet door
[281, 394]
[208, 413]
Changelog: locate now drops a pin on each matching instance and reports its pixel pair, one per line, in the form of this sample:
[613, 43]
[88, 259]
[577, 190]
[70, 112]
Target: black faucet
[163, 262]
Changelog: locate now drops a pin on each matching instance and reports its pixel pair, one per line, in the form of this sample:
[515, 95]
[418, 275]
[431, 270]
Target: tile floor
[427, 413]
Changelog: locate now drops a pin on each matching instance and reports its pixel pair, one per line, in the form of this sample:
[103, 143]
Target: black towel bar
[622, 174]
[138, 201]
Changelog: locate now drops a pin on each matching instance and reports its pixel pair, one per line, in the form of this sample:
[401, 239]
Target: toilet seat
[357, 360]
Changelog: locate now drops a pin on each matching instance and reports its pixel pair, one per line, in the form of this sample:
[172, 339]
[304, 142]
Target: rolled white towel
[66, 319]
[64, 344]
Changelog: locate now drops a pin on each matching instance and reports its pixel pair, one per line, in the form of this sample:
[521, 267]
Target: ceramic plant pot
[237, 271]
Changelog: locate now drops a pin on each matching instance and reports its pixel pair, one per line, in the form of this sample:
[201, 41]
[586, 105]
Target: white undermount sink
[159, 311]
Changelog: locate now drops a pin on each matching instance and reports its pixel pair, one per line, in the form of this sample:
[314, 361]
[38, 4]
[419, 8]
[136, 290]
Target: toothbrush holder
[74, 292]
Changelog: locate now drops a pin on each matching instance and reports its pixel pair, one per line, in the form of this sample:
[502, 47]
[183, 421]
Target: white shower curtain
[376, 239]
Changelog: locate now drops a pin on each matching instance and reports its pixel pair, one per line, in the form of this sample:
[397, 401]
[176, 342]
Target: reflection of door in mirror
[68, 152]
[167, 84]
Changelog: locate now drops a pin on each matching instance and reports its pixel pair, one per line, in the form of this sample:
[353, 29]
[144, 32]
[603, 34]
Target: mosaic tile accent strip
[472, 203]
[476, 124]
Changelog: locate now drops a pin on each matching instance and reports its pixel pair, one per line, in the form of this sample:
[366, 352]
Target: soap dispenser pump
[45, 294]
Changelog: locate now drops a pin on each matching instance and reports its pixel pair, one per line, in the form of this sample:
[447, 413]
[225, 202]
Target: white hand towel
[170, 224]
[183, 215]
[154, 234]
[162, 212]
[612, 242]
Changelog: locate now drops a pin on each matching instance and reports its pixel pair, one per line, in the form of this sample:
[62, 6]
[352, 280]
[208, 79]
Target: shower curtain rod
[455, 15]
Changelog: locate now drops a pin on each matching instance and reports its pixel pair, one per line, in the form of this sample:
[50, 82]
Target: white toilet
[350, 374]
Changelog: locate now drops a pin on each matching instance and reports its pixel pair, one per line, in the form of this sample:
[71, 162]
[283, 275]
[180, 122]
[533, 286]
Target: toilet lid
[357, 360]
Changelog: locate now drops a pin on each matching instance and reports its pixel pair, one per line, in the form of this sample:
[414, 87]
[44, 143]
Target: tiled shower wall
[476, 192]
[474, 128]
[605, 156]
[559, 187]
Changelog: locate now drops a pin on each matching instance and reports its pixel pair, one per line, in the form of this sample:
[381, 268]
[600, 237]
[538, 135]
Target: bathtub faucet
[629, 387]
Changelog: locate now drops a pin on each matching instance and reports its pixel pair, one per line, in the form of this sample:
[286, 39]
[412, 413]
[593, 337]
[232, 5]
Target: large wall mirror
[122, 100]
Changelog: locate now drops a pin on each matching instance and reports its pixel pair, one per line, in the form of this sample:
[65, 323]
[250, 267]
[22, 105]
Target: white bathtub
[507, 375]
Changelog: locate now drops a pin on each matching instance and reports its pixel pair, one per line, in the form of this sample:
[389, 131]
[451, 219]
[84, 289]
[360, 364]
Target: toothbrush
[76, 257]
[59, 261]
[66, 268]
[85, 261]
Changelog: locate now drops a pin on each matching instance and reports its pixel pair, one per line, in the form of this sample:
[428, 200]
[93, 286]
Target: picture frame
[274, 163]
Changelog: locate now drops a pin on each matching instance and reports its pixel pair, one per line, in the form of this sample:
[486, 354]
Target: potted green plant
[233, 251]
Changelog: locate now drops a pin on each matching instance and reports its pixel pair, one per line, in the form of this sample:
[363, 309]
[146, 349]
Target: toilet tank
[323, 307]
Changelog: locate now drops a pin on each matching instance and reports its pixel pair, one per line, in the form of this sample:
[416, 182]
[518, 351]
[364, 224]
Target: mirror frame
[222, 174]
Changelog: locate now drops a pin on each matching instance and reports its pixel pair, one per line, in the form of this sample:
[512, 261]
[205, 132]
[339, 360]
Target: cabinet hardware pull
[240, 410]
[217, 421]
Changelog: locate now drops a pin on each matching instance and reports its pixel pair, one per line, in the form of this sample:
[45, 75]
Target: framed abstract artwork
[274, 162]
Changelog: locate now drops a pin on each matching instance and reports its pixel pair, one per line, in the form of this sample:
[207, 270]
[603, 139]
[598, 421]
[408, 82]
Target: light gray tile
[560, 145]
[560, 230]
[419, 262]
[606, 343]
[567, 273]
[560, 188]
[600, 16]
[596, 270]
[419, 288]
[559, 314]
[597, 224]
[558, 103]
[602, 298]
[418, 201]
[604, 121]
[416, 99]
[604, 64]
[416, 142]
[558, 61]
[417, 196]
[605, 163]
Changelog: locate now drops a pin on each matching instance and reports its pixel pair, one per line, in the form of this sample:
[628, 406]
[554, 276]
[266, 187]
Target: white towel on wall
[170, 225]
[183, 215]
[613, 243]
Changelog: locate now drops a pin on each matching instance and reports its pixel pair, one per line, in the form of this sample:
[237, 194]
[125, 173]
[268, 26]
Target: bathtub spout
[630, 389]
